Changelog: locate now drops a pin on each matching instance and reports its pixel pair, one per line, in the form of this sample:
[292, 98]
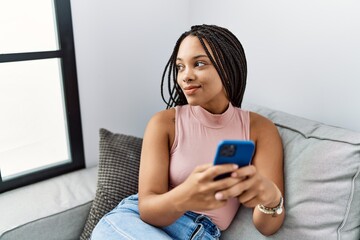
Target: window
[40, 125]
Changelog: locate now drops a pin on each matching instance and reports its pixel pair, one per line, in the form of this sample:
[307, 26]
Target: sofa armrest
[52, 209]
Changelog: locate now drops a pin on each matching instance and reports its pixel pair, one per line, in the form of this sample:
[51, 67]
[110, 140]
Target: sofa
[322, 188]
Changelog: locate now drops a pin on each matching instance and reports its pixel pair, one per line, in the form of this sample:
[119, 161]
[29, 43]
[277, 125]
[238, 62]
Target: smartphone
[239, 152]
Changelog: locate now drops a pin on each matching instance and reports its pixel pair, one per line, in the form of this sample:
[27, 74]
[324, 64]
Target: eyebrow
[195, 57]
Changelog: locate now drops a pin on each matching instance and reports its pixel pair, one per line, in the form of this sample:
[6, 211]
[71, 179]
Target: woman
[178, 197]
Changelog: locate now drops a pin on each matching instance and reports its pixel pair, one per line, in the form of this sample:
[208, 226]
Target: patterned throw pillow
[117, 175]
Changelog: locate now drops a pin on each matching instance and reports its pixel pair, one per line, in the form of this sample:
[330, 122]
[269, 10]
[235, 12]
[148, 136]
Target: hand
[197, 192]
[253, 189]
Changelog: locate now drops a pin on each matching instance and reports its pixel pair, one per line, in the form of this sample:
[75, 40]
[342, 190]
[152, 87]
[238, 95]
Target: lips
[190, 90]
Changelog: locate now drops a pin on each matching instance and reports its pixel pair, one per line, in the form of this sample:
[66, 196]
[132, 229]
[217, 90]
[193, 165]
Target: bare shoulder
[162, 126]
[163, 119]
[266, 136]
[262, 127]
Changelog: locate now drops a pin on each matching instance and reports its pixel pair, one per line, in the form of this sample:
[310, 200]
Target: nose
[188, 75]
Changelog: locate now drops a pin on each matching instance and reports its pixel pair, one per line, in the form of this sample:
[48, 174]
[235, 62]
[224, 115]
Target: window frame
[66, 55]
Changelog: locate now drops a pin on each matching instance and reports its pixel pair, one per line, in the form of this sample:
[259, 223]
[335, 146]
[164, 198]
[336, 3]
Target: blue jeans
[124, 222]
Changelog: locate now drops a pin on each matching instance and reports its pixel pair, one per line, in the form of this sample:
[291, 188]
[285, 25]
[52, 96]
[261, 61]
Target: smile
[190, 90]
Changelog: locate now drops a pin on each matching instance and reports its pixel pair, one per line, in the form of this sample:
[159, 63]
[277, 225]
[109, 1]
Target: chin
[193, 103]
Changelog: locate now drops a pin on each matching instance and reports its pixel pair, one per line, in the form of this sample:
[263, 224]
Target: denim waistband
[209, 226]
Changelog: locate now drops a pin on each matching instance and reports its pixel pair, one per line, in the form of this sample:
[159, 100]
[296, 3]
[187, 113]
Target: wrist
[276, 200]
[274, 208]
[177, 200]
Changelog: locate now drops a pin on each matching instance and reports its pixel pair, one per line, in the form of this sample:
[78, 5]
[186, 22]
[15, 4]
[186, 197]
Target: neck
[218, 109]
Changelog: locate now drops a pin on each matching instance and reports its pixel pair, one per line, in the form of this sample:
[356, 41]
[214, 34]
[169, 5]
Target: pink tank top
[197, 133]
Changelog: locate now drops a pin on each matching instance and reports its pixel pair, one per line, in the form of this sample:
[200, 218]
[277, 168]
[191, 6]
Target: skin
[260, 183]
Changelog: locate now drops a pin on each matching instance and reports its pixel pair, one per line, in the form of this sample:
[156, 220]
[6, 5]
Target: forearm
[160, 209]
[267, 224]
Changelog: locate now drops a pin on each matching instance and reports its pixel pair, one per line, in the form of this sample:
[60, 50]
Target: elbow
[271, 225]
[143, 214]
[267, 232]
[147, 216]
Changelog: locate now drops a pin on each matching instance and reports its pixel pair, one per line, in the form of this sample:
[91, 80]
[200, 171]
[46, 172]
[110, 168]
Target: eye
[179, 67]
[199, 64]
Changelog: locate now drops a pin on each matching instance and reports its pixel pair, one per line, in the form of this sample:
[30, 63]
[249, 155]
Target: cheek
[218, 88]
[218, 85]
[180, 77]
[177, 80]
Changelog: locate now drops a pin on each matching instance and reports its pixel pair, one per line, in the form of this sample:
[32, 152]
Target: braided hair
[229, 61]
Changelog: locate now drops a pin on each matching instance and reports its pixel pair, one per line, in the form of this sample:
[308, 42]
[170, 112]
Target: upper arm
[268, 157]
[155, 154]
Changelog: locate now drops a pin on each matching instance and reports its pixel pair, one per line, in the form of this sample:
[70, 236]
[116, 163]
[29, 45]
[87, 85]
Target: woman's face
[198, 78]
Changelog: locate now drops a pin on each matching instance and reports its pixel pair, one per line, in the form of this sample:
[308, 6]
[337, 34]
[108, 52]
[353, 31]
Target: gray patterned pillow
[117, 175]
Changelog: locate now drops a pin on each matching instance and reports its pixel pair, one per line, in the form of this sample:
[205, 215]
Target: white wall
[121, 49]
[303, 56]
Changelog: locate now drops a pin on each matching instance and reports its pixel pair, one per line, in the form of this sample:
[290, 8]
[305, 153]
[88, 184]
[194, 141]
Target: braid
[228, 59]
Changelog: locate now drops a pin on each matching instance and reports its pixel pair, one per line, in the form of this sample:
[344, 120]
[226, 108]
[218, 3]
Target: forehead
[191, 46]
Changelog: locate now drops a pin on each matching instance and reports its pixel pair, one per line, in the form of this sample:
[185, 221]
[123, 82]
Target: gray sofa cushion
[117, 174]
[66, 225]
[54, 209]
[322, 182]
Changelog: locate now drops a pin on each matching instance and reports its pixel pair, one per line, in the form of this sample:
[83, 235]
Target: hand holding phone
[238, 152]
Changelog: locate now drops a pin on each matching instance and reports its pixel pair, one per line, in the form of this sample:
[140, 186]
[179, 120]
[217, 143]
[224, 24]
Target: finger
[223, 184]
[231, 192]
[226, 194]
[217, 170]
[235, 190]
[244, 172]
[251, 203]
[247, 196]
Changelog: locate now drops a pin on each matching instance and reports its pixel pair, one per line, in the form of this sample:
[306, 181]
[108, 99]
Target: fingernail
[235, 166]
[218, 196]
[234, 174]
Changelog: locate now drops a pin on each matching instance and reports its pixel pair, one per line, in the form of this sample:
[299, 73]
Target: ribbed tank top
[197, 133]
